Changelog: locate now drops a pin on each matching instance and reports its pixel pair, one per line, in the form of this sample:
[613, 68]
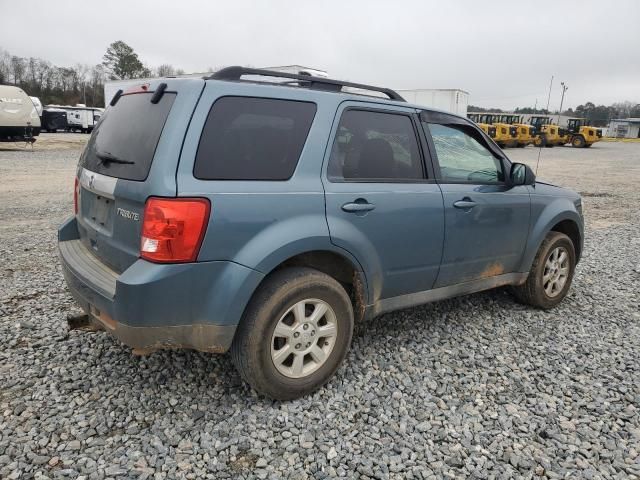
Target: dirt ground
[606, 175]
[49, 141]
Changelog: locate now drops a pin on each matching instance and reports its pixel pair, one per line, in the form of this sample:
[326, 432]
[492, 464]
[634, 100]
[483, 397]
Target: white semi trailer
[450, 100]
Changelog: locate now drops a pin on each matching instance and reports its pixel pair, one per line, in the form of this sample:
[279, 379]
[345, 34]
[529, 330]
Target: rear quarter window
[247, 138]
[128, 133]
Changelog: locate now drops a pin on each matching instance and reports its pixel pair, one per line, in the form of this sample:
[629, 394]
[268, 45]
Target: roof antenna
[540, 148]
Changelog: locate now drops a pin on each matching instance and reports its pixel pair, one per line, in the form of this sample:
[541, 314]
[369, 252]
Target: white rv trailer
[38, 104]
[18, 116]
[80, 117]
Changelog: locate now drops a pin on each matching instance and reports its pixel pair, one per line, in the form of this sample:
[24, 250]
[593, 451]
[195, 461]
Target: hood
[546, 182]
[544, 187]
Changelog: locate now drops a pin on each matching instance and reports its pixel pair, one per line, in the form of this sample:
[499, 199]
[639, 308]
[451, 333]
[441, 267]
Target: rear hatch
[132, 154]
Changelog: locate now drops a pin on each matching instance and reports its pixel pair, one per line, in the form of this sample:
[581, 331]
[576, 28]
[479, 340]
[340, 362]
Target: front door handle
[362, 206]
[464, 203]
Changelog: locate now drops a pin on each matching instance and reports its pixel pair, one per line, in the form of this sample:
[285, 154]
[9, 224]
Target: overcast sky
[504, 55]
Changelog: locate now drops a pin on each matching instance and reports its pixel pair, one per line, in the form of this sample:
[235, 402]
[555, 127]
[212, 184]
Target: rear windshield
[247, 138]
[124, 141]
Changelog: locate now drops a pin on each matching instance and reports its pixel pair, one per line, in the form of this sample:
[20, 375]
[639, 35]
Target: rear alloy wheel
[304, 338]
[294, 334]
[551, 273]
[578, 141]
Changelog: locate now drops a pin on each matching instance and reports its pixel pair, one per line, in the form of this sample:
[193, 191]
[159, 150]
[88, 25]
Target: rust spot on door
[492, 270]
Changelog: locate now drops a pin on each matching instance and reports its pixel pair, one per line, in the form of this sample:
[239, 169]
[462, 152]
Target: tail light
[173, 229]
[76, 187]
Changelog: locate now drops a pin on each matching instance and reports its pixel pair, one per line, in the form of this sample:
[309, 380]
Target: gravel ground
[476, 387]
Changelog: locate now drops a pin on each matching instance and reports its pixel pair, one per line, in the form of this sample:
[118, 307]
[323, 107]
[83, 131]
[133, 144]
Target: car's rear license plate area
[98, 211]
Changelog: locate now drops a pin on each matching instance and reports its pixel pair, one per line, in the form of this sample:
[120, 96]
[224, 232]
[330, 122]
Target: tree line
[596, 115]
[79, 83]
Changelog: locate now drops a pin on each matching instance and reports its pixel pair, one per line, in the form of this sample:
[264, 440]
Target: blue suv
[265, 213]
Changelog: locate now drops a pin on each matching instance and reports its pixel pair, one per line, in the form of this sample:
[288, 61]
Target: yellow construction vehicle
[525, 133]
[479, 119]
[580, 134]
[547, 134]
[505, 135]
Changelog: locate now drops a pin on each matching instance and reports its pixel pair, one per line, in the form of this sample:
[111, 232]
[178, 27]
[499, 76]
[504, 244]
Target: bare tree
[165, 70]
[17, 69]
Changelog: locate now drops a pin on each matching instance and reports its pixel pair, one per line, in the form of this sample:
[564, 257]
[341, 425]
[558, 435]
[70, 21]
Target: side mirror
[521, 174]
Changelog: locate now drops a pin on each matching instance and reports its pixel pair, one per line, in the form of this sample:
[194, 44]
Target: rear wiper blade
[106, 157]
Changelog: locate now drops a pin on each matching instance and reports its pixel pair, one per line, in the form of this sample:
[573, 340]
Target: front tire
[551, 273]
[540, 140]
[578, 141]
[294, 334]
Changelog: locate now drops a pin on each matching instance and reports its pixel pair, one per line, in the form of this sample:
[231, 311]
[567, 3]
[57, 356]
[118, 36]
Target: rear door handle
[358, 207]
[464, 203]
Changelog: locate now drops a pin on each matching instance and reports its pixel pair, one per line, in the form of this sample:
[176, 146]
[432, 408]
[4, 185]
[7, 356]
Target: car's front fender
[547, 212]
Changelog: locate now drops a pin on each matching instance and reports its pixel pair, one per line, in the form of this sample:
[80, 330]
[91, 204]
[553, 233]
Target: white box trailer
[450, 100]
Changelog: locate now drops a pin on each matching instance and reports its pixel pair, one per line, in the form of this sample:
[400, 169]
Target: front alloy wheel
[551, 273]
[556, 272]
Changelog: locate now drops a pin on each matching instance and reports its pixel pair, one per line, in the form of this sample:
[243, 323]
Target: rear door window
[124, 141]
[375, 146]
[246, 138]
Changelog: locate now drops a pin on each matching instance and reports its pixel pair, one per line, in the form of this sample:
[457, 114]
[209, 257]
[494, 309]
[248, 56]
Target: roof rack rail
[306, 80]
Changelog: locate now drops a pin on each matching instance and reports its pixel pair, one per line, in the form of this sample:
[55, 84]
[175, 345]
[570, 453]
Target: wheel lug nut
[298, 346]
[306, 326]
[296, 334]
[308, 345]
[313, 332]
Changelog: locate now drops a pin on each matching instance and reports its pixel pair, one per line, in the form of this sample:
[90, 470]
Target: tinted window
[128, 132]
[462, 158]
[375, 146]
[253, 139]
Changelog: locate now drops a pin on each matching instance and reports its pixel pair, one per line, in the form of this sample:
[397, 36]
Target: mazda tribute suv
[264, 213]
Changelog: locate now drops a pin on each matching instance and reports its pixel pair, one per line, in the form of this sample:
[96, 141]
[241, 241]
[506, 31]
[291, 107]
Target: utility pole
[549, 97]
[564, 89]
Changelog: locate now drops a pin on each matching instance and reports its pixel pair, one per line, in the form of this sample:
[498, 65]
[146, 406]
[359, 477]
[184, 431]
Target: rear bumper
[152, 306]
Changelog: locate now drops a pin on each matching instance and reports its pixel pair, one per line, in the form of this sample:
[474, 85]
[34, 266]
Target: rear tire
[303, 352]
[550, 278]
